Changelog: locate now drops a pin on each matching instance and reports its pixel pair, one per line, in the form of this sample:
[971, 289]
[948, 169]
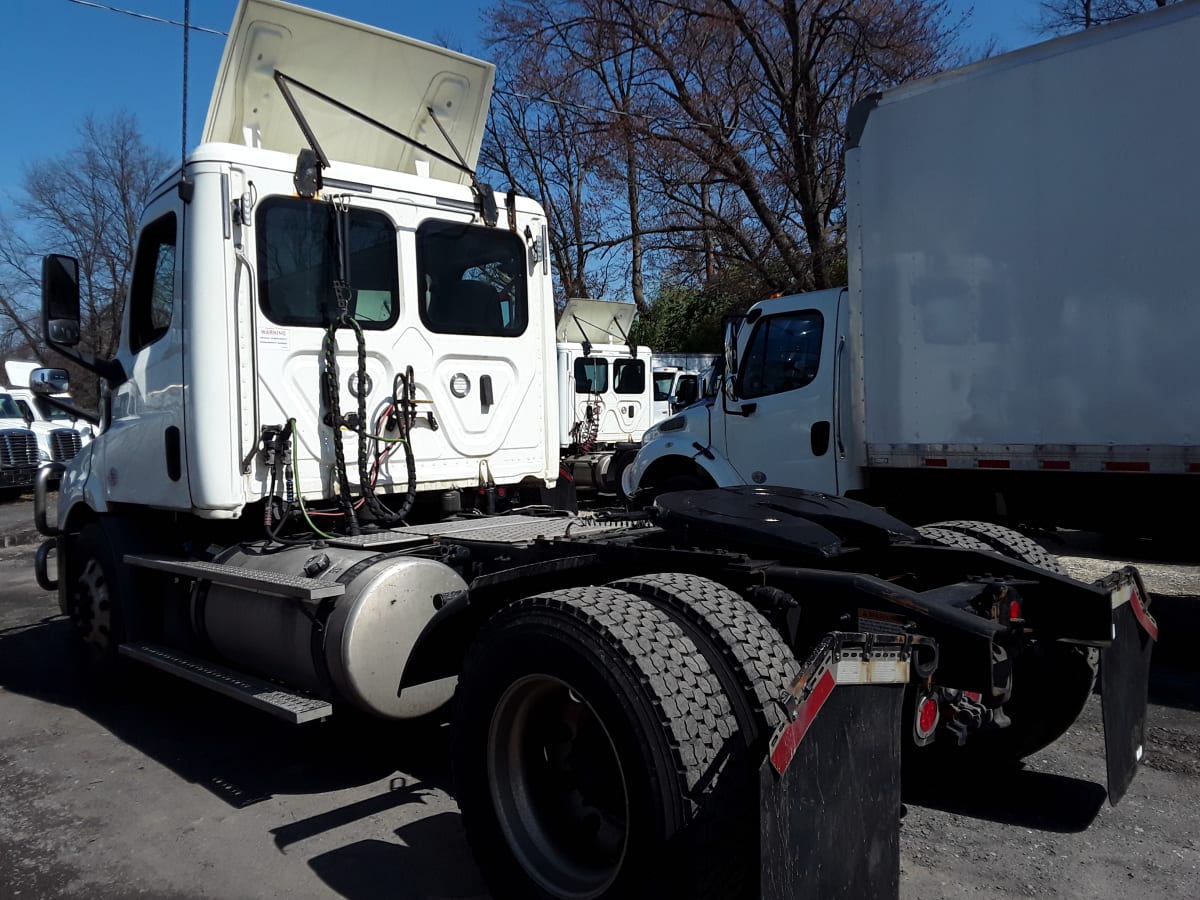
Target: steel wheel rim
[558, 787]
[94, 610]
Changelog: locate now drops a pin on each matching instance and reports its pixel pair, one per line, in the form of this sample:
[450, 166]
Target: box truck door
[778, 430]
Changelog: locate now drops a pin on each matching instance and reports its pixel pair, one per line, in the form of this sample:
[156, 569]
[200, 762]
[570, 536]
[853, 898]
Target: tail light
[925, 720]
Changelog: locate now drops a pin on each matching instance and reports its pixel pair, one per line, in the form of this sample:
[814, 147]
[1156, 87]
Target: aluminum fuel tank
[352, 648]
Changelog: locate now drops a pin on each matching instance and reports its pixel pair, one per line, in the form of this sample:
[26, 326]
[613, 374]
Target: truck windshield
[297, 265]
[472, 280]
[9, 408]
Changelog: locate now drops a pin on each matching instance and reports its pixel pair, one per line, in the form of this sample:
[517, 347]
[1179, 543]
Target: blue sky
[60, 61]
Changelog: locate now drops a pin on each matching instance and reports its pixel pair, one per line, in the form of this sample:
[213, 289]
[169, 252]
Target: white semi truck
[19, 456]
[1017, 338]
[605, 392]
[59, 433]
[710, 700]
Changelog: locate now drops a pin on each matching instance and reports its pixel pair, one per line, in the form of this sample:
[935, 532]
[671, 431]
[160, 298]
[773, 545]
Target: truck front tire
[94, 578]
[588, 731]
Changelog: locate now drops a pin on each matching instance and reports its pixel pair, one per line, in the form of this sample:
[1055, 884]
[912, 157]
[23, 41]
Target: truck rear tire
[957, 539]
[1051, 682]
[586, 739]
[745, 651]
[754, 665]
[1004, 541]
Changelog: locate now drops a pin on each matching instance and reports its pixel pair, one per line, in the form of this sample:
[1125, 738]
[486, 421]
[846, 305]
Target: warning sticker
[273, 337]
[881, 622]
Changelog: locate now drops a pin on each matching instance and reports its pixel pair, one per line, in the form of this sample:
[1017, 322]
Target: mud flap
[1124, 683]
[829, 791]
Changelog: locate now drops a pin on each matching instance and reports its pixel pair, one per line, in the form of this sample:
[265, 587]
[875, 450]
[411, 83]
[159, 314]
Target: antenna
[185, 187]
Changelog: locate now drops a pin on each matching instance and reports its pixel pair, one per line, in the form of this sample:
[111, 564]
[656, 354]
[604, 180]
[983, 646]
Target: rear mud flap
[829, 792]
[1124, 684]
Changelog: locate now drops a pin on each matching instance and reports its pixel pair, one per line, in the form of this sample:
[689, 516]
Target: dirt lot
[162, 790]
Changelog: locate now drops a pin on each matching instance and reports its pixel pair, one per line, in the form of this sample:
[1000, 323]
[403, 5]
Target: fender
[79, 491]
[678, 445]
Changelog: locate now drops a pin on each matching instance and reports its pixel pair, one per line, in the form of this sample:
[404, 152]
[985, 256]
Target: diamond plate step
[499, 529]
[263, 695]
[248, 579]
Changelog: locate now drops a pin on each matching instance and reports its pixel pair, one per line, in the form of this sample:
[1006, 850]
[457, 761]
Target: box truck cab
[771, 422]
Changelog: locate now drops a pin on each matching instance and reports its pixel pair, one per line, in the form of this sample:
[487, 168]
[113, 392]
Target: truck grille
[64, 444]
[18, 448]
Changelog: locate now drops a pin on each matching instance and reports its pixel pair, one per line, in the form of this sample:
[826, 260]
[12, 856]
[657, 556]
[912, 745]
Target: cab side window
[152, 294]
[591, 376]
[784, 354]
[629, 376]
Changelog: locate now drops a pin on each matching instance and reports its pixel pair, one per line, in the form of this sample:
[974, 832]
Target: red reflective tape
[1058, 464]
[1194, 467]
[789, 741]
[936, 462]
[992, 463]
[1126, 466]
[1143, 614]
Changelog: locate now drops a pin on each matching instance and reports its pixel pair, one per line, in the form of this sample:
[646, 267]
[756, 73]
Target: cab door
[778, 409]
[144, 456]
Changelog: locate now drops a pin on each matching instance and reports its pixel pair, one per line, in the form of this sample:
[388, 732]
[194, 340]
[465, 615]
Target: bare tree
[1062, 16]
[85, 203]
[723, 118]
[547, 152]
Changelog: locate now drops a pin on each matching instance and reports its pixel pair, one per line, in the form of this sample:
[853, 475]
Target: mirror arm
[110, 370]
[75, 411]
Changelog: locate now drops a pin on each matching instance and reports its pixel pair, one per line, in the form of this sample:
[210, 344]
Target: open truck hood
[389, 77]
[595, 321]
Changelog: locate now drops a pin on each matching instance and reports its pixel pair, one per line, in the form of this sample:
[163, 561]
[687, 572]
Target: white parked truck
[709, 701]
[1017, 338]
[19, 456]
[59, 433]
[675, 388]
[605, 392]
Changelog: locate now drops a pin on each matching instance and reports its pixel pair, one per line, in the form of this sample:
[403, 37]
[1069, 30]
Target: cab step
[272, 583]
[262, 695]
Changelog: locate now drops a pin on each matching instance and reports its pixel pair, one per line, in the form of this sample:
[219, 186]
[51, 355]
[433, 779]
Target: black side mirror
[60, 300]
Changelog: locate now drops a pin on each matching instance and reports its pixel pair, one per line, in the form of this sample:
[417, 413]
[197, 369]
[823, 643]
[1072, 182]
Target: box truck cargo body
[1017, 336]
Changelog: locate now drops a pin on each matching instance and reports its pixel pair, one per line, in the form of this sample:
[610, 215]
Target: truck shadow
[239, 754]
[1022, 797]
[244, 757]
[430, 854]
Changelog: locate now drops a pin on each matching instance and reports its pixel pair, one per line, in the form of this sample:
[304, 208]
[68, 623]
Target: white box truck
[1018, 334]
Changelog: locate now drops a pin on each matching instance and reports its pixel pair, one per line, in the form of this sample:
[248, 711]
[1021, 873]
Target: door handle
[747, 409]
[819, 438]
